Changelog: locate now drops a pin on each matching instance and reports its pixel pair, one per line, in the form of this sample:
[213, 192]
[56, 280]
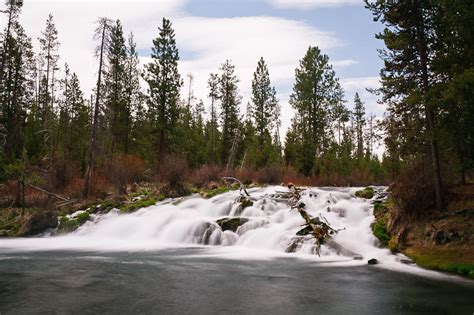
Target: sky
[210, 31]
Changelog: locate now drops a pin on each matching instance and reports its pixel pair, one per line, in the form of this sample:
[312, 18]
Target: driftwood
[242, 189]
[65, 200]
[321, 231]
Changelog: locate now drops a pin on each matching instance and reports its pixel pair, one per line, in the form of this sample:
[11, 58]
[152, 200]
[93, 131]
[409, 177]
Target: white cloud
[311, 4]
[75, 21]
[204, 42]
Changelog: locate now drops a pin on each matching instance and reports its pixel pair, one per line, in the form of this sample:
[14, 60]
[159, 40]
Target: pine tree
[101, 34]
[229, 100]
[264, 111]
[315, 93]
[115, 79]
[359, 118]
[164, 84]
[16, 97]
[407, 77]
[133, 93]
[211, 127]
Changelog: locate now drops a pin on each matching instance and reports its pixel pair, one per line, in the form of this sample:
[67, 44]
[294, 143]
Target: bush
[270, 175]
[413, 190]
[206, 174]
[125, 169]
[65, 172]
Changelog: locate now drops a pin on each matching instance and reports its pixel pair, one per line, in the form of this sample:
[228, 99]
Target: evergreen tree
[212, 132]
[134, 98]
[164, 84]
[359, 118]
[315, 93]
[229, 100]
[101, 34]
[115, 79]
[407, 76]
[264, 111]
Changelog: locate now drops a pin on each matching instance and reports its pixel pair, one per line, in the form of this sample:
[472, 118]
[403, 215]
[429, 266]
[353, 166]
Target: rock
[357, 257]
[366, 193]
[212, 185]
[38, 221]
[372, 261]
[231, 224]
[407, 261]
[245, 202]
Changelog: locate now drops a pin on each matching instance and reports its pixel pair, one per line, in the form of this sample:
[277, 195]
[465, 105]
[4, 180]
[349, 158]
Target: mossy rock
[380, 232]
[245, 202]
[141, 204]
[366, 193]
[67, 224]
[231, 224]
[214, 192]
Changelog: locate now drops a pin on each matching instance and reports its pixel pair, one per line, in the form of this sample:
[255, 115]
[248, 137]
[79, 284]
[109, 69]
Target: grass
[445, 260]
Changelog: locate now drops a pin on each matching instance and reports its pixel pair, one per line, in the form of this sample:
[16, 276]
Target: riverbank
[438, 241]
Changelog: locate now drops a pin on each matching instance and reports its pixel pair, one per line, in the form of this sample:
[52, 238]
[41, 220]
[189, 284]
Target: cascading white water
[269, 230]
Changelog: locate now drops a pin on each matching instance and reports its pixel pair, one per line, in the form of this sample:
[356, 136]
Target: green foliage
[164, 82]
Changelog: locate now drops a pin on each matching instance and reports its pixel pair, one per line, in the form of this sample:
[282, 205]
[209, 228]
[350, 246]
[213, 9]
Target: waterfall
[265, 229]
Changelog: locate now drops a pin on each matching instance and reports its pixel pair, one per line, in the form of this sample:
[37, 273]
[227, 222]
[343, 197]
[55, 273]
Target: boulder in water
[372, 261]
[231, 224]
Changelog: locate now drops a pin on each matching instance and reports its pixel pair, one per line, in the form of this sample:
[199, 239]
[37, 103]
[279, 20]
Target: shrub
[125, 169]
[206, 174]
[270, 175]
[65, 172]
[413, 190]
[173, 171]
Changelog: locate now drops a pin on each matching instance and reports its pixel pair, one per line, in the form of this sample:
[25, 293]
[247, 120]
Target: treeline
[55, 137]
[428, 85]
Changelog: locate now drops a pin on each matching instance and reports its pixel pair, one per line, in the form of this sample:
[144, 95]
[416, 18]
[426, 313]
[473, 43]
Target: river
[173, 258]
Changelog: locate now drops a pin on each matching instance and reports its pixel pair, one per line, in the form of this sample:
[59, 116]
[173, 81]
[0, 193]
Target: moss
[245, 202]
[393, 244]
[231, 223]
[214, 192]
[82, 217]
[67, 224]
[366, 193]
[380, 232]
[141, 204]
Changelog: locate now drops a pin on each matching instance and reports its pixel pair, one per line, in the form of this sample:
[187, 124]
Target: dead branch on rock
[241, 185]
[321, 231]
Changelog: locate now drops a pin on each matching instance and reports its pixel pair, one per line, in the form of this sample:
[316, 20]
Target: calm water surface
[185, 282]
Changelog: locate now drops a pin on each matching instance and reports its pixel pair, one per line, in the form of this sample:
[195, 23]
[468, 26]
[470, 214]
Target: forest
[140, 126]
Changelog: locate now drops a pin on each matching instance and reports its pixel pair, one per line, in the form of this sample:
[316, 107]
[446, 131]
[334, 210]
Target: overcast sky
[210, 31]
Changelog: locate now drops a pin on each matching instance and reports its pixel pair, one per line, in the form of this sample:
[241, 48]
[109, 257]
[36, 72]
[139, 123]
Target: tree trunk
[87, 186]
[429, 112]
